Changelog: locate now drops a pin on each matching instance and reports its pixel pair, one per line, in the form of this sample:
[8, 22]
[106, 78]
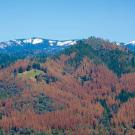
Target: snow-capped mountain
[130, 45]
[36, 41]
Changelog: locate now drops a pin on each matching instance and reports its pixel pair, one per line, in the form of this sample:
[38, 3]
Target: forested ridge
[86, 89]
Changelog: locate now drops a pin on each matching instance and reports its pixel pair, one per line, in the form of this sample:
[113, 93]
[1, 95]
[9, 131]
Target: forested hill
[86, 89]
[99, 51]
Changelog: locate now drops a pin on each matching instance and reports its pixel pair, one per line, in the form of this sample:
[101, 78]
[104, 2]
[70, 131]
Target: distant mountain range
[130, 45]
[36, 41]
[16, 49]
[47, 44]
[13, 50]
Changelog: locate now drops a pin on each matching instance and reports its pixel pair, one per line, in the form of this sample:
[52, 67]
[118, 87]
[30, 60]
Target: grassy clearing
[30, 74]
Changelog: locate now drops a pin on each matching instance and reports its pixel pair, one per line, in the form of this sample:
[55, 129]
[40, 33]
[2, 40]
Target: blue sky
[67, 19]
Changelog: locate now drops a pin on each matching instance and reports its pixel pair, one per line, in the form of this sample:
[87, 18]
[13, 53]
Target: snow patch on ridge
[33, 41]
[63, 43]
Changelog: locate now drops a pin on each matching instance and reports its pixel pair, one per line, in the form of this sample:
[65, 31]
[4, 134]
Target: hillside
[85, 89]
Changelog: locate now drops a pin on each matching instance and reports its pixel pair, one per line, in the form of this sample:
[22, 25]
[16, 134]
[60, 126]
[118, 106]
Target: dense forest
[86, 89]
